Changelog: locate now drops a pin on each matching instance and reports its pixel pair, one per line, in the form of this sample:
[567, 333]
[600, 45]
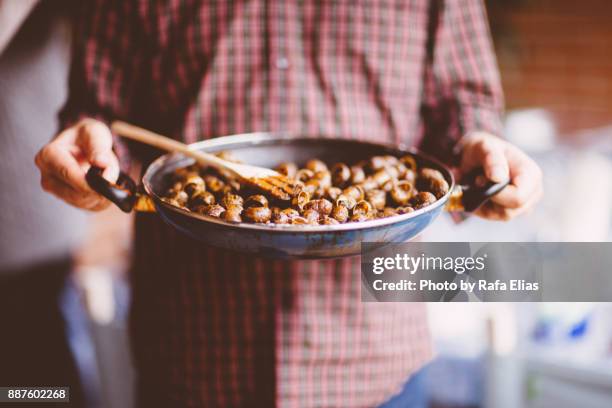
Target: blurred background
[556, 68]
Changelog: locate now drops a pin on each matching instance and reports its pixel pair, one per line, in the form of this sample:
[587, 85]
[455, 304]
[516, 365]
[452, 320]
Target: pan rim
[256, 138]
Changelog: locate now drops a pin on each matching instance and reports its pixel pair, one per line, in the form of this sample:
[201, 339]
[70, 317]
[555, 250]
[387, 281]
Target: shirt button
[282, 63]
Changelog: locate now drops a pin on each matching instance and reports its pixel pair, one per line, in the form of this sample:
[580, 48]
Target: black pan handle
[122, 193]
[477, 189]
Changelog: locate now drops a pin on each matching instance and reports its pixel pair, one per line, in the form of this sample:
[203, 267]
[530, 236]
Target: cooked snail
[258, 214]
[380, 187]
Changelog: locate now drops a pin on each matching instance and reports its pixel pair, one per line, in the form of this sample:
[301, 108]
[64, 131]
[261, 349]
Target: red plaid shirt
[217, 328]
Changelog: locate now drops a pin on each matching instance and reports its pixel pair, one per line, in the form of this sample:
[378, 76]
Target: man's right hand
[65, 160]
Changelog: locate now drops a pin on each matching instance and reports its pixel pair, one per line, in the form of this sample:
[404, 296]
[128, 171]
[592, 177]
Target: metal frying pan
[290, 241]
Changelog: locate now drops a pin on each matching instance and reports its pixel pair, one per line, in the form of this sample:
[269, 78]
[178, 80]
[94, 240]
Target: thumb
[489, 153]
[96, 142]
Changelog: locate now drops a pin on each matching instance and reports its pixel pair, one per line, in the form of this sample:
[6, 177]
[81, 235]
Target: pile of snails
[380, 187]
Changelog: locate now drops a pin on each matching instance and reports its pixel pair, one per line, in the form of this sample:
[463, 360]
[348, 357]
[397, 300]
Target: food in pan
[380, 187]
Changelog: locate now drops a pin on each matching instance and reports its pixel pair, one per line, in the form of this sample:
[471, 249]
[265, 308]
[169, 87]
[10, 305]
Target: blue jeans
[413, 393]
[446, 380]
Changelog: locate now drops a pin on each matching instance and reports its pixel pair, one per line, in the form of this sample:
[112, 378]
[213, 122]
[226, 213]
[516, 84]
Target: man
[217, 328]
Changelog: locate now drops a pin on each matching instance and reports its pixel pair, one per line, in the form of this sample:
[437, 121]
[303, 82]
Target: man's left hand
[500, 161]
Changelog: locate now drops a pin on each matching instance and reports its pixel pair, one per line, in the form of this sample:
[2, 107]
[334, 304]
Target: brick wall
[558, 55]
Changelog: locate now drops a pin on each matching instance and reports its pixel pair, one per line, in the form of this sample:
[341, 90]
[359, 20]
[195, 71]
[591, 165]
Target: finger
[526, 180]
[493, 212]
[488, 153]
[509, 197]
[67, 136]
[111, 172]
[496, 212]
[96, 141]
[62, 190]
[66, 193]
[494, 163]
[56, 160]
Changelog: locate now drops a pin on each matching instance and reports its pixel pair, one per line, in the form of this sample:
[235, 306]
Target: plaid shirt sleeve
[462, 89]
[106, 66]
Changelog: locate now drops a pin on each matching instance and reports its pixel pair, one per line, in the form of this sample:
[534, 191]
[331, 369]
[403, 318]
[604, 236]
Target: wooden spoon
[266, 180]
